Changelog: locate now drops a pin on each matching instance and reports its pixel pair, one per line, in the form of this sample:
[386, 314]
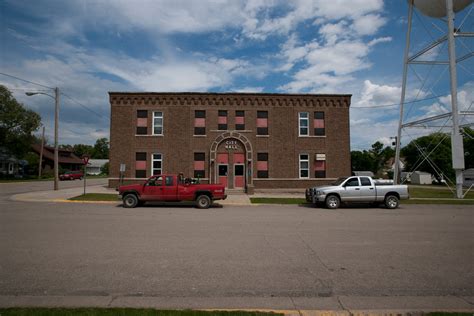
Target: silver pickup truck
[357, 190]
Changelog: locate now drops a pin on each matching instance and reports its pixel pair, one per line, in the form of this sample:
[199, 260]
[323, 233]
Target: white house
[94, 165]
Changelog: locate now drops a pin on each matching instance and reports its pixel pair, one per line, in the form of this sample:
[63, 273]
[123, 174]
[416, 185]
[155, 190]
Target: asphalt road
[261, 251]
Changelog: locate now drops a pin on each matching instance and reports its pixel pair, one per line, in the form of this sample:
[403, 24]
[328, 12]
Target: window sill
[148, 135]
[312, 136]
[199, 135]
[264, 136]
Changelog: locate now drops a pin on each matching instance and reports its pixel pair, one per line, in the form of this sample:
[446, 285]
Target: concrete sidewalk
[65, 194]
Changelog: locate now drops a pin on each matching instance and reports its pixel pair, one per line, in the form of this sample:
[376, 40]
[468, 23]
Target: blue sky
[88, 48]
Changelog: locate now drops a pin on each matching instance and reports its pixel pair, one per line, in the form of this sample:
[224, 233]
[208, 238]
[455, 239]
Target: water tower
[443, 9]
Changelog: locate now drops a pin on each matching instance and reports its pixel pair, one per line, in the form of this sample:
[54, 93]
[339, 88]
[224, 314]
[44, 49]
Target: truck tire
[391, 201]
[333, 202]
[203, 202]
[130, 201]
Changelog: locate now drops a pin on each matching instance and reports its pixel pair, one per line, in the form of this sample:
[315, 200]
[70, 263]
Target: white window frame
[299, 164]
[300, 119]
[152, 162]
[155, 116]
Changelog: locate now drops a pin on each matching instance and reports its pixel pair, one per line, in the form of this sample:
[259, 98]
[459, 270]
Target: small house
[420, 177]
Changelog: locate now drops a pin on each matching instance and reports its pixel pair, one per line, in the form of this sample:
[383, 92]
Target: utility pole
[457, 147]
[41, 156]
[56, 144]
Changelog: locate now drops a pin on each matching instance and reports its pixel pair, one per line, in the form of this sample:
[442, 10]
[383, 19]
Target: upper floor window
[303, 119]
[262, 122]
[319, 126]
[222, 120]
[157, 123]
[240, 120]
[199, 122]
[304, 166]
[142, 122]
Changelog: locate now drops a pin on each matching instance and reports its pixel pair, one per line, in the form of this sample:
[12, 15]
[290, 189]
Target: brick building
[246, 141]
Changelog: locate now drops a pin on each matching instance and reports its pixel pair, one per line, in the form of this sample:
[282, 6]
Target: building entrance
[231, 164]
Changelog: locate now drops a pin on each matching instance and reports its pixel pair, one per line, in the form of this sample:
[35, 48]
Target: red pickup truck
[171, 188]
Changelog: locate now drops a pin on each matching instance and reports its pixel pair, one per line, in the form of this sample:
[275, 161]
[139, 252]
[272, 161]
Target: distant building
[468, 177]
[94, 166]
[420, 177]
[9, 164]
[363, 173]
[67, 159]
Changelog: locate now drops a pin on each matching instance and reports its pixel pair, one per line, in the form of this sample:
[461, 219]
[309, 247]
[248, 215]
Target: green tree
[468, 136]
[440, 157]
[105, 169]
[101, 149]
[17, 124]
[82, 149]
[361, 161]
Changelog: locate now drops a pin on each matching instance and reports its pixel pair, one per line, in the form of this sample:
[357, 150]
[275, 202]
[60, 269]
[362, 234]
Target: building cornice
[232, 99]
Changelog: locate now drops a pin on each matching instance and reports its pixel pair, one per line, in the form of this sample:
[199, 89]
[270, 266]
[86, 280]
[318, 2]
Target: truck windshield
[339, 181]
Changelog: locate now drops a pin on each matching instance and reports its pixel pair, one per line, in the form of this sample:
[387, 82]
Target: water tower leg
[457, 147]
[396, 173]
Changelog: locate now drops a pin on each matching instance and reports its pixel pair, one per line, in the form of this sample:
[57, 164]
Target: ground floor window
[140, 165]
[304, 166]
[262, 165]
[199, 165]
[156, 164]
[320, 166]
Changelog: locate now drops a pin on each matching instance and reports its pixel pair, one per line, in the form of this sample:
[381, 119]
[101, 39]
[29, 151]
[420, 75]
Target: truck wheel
[203, 201]
[391, 201]
[130, 201]
[333, 202]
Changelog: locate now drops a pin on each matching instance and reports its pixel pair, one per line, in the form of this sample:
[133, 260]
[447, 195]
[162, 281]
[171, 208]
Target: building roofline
[229, 94]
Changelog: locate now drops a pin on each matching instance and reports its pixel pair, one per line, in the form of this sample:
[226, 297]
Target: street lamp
[56, 145]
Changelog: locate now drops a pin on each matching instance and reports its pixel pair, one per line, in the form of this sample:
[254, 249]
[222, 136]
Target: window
[352, 182]
[157, 123]
[169, 181]
[199, 122]
[156, 164]
[304, 166]
[303, 123]
[262, 165]
[262, 122]
[320, 166]
[319, 128]
[240, 120]
[364, 181]
[222, 120]
[140, 165]
[199, 164]
[142, 122]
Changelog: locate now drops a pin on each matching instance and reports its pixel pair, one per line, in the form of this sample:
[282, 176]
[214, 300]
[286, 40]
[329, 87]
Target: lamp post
[56, 120]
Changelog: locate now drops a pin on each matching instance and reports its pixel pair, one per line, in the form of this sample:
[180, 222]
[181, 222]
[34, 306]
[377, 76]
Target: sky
[87, 48]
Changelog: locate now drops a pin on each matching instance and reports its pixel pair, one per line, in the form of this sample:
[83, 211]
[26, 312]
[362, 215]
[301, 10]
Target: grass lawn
[119, 312]
[433, 196]
[96, 197]
[265, 200]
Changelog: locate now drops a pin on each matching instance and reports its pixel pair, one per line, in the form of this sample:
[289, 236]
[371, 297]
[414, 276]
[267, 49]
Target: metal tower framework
[456, 137]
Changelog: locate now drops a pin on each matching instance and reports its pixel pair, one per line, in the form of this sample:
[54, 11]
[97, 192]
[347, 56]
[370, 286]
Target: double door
[231, 170]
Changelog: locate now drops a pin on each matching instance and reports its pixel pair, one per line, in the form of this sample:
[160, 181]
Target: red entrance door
[238, 160]
[223, 168]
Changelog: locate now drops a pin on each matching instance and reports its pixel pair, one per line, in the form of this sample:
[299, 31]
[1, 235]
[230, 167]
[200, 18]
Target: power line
[395, 104]
[24, 80]
[84, 106]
